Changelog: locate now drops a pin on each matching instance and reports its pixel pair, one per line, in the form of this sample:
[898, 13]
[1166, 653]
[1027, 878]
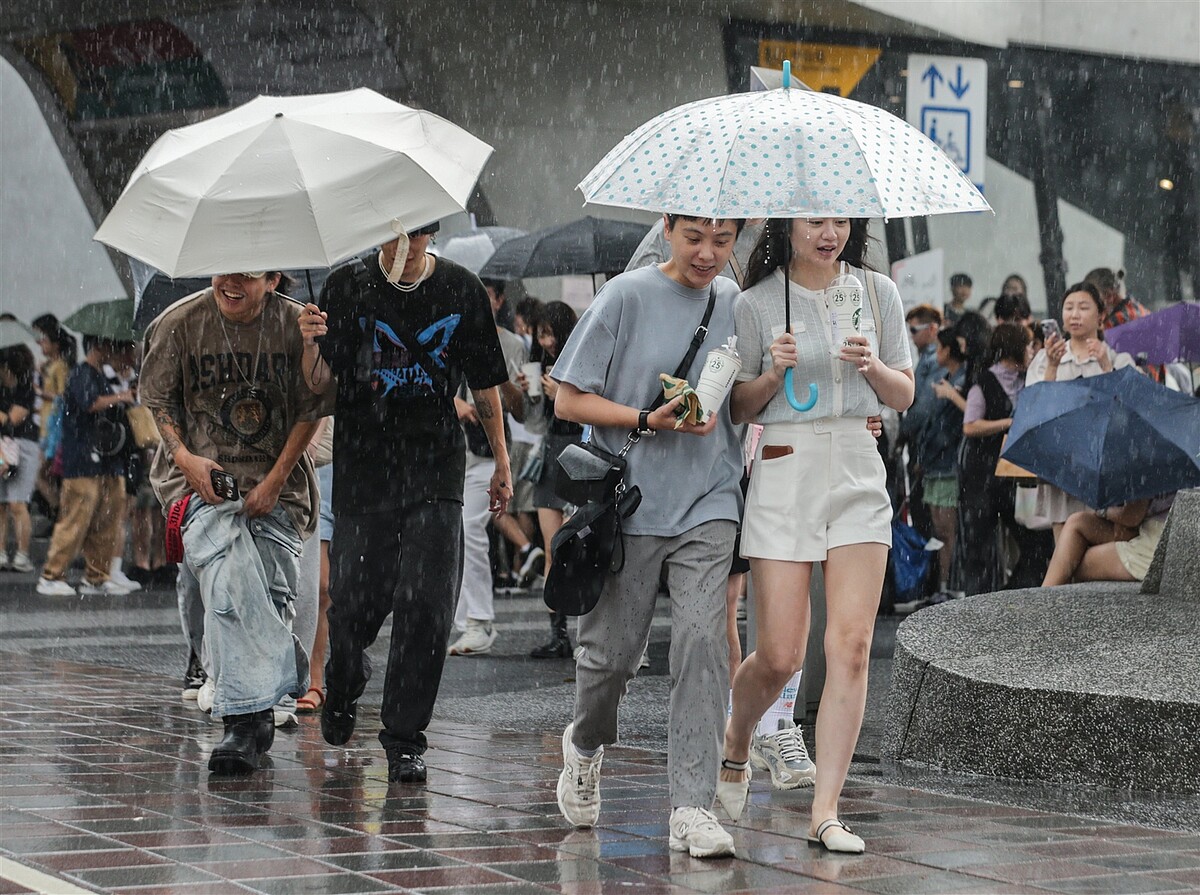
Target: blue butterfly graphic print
[395, 367]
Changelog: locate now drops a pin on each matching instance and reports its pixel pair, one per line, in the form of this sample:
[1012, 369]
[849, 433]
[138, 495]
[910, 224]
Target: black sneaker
[337, 719]
[193, 678]
[406, 767]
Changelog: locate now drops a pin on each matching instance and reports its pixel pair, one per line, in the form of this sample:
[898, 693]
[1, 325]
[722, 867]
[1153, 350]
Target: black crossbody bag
[588, 546]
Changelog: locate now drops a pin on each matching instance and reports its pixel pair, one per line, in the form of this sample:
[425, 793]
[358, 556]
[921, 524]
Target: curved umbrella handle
[789, 392]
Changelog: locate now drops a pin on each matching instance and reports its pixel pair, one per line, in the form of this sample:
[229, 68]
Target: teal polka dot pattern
[781, 153]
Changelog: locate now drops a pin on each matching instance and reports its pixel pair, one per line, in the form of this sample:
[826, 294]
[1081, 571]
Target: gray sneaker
[784, 755]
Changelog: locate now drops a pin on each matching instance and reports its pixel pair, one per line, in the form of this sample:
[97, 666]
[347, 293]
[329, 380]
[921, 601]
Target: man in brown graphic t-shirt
[222, 376]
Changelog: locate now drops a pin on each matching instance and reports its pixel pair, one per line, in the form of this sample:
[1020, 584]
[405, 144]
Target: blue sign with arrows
[947, 100]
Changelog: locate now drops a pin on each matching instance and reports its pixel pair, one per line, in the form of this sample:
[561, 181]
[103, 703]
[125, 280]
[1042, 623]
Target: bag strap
[697, 340]
[874, 297]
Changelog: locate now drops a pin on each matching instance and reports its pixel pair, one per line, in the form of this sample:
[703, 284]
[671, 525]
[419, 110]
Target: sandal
[835, 836]
[310, 702]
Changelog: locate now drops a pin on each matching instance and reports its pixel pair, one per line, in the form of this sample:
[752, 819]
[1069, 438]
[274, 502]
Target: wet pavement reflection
[104, 786]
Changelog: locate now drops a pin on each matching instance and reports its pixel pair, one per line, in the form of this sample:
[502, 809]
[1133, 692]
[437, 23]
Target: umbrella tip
[787, 74]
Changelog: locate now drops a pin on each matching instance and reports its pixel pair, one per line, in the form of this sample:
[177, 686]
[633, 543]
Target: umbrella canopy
[587, 246]
[291, 182]
[154, 291]
[472, 250]
[781, 153]
[106, 319]
[1166, 336]
[13, 332]
[1108, 439]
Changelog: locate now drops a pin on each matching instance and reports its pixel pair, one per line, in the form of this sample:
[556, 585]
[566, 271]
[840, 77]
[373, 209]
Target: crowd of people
[292, 538]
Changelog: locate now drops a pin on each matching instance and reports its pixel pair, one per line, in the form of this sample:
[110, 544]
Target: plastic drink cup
[533, 374]
[716, 378]
[845, 310]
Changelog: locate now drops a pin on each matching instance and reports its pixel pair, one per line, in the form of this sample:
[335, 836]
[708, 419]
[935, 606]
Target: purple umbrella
[1165, 337]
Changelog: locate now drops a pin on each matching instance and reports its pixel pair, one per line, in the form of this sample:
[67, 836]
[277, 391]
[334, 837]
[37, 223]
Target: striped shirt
[841, 389]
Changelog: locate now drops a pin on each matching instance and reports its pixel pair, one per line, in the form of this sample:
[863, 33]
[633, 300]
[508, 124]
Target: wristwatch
[643, 425]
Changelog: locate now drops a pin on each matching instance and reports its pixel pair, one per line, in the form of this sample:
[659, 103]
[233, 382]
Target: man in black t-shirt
[398, 335]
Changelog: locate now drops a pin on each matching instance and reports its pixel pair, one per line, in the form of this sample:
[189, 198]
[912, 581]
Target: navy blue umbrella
[1108, 439]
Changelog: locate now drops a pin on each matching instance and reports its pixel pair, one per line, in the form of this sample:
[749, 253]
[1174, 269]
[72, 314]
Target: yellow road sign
[823, 67]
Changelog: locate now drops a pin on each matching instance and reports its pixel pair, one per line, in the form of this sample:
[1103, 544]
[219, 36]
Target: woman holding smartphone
[1080, 355]
[818, 490]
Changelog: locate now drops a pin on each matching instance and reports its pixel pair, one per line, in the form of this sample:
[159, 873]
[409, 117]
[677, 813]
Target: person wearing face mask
[398, 335]
[1080, 355]
[818, 490]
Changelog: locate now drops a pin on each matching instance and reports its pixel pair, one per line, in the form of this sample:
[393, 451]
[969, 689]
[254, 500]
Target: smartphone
[224, 485]
[1050, 328]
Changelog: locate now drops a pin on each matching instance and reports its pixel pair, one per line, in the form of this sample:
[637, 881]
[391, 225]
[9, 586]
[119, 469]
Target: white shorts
[822, 486]
[1136, 554]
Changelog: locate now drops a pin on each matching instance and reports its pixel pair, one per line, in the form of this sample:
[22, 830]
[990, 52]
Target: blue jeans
[247, 572]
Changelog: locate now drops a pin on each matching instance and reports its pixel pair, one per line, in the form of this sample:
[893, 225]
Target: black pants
[984, 512]
[410, 564]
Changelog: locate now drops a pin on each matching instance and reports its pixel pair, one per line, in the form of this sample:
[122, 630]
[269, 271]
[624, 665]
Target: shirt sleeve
[749, 339]
[161, 382]
[482, 359]
[340, 344]
[893, 335]
[975, 405]
[585, 359]
[82, 391]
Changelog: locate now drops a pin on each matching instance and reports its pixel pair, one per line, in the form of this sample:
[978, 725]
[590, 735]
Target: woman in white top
[817, 493]
[1081, 355]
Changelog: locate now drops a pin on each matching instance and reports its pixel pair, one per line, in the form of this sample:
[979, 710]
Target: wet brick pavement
[104, 787]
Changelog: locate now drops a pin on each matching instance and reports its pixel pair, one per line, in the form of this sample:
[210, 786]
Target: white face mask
[393, 275]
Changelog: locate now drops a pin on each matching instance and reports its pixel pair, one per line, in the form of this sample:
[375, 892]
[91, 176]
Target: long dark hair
[560, 318]
[771, 249]
[49, 326]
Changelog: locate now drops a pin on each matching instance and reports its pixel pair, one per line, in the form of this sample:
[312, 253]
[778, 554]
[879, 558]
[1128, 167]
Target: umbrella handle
[789, 392]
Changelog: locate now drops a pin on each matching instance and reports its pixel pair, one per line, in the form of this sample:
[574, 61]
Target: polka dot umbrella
[781, 153]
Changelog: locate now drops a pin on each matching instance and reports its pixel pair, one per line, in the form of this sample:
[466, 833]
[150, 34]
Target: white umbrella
[291, 182]
[473, 249]
[781, 153]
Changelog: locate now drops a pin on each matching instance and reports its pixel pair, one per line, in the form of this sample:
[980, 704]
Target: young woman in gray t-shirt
[817, 491]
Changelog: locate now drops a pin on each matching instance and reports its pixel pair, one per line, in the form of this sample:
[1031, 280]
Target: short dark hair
[924, 313]
[960, 279]
[48, 326]
[1012, 307]
[496, 286]
[1009, 341]
[672, 218]
[18, 360]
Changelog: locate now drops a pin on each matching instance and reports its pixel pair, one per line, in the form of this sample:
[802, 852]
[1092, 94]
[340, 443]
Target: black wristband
[643, 423]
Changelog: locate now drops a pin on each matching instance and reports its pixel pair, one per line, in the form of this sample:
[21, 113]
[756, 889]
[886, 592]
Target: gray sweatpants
[613, 634]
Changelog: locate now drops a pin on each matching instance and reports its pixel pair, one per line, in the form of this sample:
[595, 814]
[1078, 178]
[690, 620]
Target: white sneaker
[204, 696]
[785, 756]
[107, 588]
[478, 638]
[20, 562]
[579, 784]
[531, 567]
[285, 718]
[48, 588]
[120, 578]
[697, 832]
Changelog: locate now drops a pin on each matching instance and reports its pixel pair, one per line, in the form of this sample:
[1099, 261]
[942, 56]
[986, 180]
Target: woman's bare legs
[1080, 532]
[550, 522]
[853, 585]
[316, 663]
[781, 624]
[733, 591]
[945, 520]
